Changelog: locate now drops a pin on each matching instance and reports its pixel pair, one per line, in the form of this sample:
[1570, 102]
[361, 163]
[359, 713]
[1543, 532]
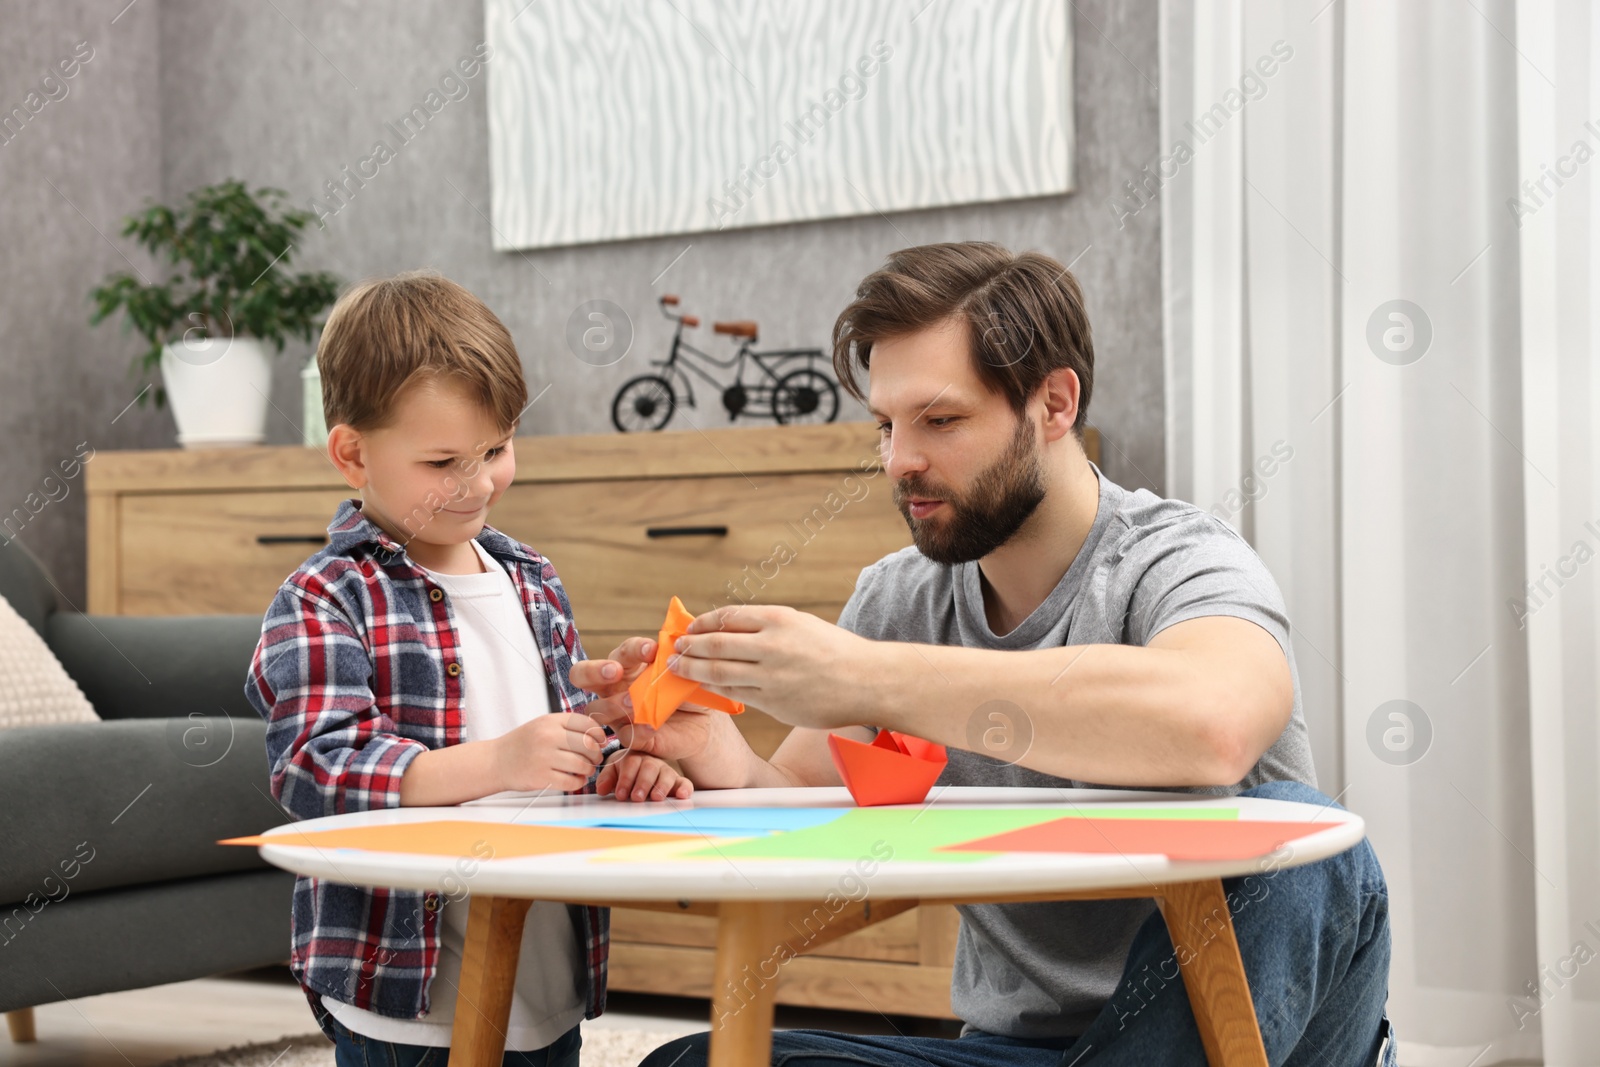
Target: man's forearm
[728, 762]
[1123, 715]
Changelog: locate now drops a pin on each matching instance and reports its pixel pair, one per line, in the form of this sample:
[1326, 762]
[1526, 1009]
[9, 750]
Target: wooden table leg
[745, 981]
[20, 1023]
[1213, 973]
[488, 977]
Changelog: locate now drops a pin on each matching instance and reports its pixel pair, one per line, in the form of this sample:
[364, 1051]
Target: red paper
[894, 769]
[658, 692]
[1178, 839]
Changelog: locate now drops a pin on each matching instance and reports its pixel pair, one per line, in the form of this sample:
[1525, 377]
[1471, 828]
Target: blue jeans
[1316, 953]
[357, 1050]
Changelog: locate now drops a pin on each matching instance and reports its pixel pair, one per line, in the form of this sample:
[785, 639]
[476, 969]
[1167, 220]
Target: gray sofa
[110, 877]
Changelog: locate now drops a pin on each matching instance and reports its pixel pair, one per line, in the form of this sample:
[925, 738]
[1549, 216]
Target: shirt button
[430, 903]
[436, 595]
[453, 670]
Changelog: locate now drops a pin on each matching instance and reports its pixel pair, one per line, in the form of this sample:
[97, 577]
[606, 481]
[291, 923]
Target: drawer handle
[291, 539]
[686, 531]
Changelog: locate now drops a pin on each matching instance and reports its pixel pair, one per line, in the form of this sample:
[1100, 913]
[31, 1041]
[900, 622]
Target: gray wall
[287, 94]
[79, 164]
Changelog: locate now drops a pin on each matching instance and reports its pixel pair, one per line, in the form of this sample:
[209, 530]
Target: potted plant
[227, 295]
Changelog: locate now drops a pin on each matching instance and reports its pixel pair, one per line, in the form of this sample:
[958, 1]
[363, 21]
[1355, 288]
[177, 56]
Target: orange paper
[658, 692]
[894, 769]
[466, 838]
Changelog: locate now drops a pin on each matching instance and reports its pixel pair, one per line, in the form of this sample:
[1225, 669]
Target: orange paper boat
[894, 769]
[658, 692]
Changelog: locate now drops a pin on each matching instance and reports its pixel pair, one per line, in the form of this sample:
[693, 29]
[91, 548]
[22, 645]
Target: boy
[421, 658]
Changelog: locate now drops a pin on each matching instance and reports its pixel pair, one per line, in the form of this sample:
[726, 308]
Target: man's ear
[345, 453]
[1059, 391]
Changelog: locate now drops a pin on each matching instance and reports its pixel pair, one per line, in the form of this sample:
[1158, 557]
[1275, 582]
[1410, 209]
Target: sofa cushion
[144, 936]
[25, 583]
[35, 690]
[135, 667]
[85, 807]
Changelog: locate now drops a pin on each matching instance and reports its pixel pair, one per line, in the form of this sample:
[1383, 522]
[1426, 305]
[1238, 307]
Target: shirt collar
[351, 527]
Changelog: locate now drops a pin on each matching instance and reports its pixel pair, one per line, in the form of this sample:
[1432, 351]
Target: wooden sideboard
[761, 515]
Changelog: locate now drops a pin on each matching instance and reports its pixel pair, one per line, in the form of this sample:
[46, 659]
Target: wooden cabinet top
[747, 451]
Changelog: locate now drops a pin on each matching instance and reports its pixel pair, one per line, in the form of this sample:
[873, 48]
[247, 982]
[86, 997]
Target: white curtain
[1380, 225]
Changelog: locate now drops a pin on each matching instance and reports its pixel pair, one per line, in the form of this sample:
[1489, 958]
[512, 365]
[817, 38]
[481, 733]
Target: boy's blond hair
[387, 334]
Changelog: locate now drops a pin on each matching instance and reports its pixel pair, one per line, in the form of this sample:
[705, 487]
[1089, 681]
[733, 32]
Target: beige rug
[601, 1048]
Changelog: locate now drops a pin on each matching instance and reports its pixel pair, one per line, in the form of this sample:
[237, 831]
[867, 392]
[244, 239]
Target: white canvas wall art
[611, 119]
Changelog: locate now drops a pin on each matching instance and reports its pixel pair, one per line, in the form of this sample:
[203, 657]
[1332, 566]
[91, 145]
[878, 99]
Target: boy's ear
[345, 453]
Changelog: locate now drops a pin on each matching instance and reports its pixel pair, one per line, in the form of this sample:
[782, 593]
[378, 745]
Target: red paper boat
[894, 769]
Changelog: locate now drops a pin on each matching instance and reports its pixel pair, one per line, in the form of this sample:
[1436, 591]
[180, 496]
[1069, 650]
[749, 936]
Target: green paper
[918, 833]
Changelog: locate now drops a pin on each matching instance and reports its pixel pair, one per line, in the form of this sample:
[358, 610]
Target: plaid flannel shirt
[357, 672]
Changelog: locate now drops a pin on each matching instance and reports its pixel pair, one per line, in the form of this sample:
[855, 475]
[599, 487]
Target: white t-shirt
[504, 685]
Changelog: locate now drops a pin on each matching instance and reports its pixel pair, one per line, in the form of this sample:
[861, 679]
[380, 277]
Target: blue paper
[717, 822]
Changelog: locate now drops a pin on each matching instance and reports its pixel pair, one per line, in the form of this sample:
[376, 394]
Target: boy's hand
[685, 734]
[636, 776]
[609, 678]
[557, 751]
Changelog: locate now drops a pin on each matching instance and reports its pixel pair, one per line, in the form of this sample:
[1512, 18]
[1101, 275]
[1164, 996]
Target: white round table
[760, 901]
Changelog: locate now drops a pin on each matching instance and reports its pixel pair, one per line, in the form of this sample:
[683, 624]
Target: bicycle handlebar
[670, 300]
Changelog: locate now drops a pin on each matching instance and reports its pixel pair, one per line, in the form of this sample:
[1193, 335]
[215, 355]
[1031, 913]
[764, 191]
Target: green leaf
[230, 251]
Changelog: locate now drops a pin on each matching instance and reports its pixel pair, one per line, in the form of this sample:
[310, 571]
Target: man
[1115, 638]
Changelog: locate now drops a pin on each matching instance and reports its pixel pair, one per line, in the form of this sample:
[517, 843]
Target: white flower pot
[218, 390]
[313, 427]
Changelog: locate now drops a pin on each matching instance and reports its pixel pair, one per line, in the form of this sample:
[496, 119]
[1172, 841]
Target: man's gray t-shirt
[1045, 969]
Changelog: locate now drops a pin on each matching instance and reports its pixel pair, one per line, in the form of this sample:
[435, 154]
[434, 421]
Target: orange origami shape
[658, 692]
[894, 769]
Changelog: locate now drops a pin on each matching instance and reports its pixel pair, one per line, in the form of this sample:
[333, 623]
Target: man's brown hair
[1024, 315]
[387, 334]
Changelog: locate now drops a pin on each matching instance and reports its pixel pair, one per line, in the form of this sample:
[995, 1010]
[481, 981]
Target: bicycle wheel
[643, 403]
[805, 396]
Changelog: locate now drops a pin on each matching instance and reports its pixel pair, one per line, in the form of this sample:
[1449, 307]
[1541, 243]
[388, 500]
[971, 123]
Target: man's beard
[1001, 499]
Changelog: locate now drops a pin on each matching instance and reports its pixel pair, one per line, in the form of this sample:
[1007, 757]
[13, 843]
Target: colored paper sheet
[460, 837]
[885, 833]
[721, 822]
[658, 692]
[920, 833]
[668, 851]
[894, 768]
[1178, 839]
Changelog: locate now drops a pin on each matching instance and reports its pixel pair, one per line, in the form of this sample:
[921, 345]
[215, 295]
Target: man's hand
[684, 735]
[795, 667]
[633, 775]
[557, 751]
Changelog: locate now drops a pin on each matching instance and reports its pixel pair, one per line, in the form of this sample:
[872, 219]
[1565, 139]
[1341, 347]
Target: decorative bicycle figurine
[778, 389]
